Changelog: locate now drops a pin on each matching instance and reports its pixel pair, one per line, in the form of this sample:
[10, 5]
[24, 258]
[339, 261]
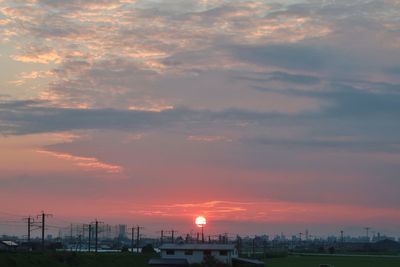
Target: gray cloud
[280, 76]
[24, 117]
[286, 56]
[379, 100]
[395, 70]
[340, 145]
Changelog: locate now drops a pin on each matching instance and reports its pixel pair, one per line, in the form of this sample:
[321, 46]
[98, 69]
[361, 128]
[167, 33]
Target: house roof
[9, 243]
[197, 246]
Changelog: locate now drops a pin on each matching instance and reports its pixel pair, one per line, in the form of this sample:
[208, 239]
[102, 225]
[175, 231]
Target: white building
[8, 245]
[196, 253]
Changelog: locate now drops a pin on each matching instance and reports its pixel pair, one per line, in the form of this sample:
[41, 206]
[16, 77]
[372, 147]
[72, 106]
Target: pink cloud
[86, 163]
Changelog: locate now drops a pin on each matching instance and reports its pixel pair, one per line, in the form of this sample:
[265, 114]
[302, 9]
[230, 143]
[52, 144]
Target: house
[8, 245]
[196, 253]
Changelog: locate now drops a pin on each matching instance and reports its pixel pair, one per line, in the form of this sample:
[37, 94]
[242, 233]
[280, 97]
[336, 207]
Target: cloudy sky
[264, 116]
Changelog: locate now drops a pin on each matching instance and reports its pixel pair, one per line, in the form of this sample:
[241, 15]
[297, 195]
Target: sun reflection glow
[201, 221]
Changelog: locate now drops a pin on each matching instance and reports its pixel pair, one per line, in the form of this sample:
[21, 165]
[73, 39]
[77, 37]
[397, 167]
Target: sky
[263, 116]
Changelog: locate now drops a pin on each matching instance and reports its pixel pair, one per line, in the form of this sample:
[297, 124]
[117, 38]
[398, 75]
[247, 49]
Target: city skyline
[262, 116]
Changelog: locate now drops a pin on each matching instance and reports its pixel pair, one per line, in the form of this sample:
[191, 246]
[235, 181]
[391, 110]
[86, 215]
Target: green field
[337, 261]
[133, 260]
[63, 259]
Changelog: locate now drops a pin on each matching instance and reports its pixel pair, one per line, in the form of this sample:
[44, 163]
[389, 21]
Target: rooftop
[9, 243]
[201, 246]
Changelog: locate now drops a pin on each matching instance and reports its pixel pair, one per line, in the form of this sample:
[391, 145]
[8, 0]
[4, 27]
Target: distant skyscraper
[122, 231]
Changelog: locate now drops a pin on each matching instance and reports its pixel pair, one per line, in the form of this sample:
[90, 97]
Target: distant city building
[122, 231]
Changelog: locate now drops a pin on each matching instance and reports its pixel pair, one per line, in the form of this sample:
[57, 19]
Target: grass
[337, 261]
[63, 259]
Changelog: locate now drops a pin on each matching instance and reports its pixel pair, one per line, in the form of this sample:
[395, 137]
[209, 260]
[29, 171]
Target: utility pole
[253, 246]
[71, 233]
[137, 237]
[172, 232]
[96, 237]
[367, 230]
[265, 248]
[78, 243]
[97, 233]
[43, 216]
[29, 229]
[133, 238]
[162, 237]
[30, 221]
[90, 236]
[341, 236]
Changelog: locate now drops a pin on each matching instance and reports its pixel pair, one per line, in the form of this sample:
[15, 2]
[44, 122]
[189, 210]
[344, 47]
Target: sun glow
[200, 221]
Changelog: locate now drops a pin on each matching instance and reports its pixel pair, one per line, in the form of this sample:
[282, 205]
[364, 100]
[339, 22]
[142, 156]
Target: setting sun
[201, 221]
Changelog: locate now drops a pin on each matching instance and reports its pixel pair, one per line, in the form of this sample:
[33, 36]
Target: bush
[68, 258]
[210, 261]
[148, 249]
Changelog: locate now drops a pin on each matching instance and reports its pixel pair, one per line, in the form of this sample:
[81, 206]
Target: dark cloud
[367, 118]
[287, 56]
[353, 102]
[360, 99]
[318, 57]
[294, 78]
[280, 76]
[341, 145]
[395, 70]
[24, 117]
